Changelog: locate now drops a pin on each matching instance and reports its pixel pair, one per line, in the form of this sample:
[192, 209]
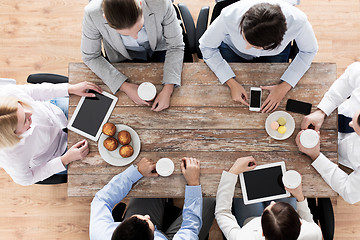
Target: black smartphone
[298, 106]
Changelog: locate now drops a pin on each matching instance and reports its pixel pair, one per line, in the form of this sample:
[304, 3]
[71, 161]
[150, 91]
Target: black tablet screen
[264, 182]
[92, 113]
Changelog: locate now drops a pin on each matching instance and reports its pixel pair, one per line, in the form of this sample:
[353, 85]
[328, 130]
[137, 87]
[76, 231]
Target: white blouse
[37, 155]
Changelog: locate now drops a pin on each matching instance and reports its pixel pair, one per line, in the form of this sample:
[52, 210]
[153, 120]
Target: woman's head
[122, 14]
[15, 119]
[264, 26]
[280, 221]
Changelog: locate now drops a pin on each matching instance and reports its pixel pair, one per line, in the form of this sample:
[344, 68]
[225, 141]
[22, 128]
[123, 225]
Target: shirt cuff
[62, 89]
[320, 162]
[133, 174]
[302, 204]
[326, 106]
[56, 165]
[193, 191]
[291, 77]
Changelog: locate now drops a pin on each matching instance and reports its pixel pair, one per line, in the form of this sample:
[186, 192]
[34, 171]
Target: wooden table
[204, 122]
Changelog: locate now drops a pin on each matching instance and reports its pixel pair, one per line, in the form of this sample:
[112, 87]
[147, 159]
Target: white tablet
[91, 114]
[263, 183]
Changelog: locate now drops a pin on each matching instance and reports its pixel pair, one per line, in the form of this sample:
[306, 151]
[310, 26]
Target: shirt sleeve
[308, 47]
[209, 46]
[101, 221]
[24, 175]
[92, 57]
[45, 91]
[192, 214]
[341, 89]
[224, 217]
[304, 211]
[174, 47]
[342, 183]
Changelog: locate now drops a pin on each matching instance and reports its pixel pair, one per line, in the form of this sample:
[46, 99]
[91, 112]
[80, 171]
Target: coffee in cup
[165, 167]
[309, 138]
[291, 179]
[147, 91]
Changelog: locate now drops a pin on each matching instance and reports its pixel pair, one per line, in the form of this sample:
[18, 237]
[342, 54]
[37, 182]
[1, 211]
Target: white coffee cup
[309, 138]
[147, 91]
[165, 167]
[291, 179]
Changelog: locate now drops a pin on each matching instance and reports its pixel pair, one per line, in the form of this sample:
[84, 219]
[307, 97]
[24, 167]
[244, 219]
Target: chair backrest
[219, 6]
[323, 215]
[201, 26]
[47, 77]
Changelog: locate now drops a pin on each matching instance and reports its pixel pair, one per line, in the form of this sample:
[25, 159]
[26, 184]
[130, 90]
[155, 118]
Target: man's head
[355, 123]
[135, 227]
[124, 15]
[280, 221]
[263, 26]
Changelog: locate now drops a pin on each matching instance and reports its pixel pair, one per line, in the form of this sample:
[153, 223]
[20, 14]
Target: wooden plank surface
[204, 122]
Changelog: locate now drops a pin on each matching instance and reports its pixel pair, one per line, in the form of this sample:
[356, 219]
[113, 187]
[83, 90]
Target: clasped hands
[190, 168]
[277, 93]
[161, 102]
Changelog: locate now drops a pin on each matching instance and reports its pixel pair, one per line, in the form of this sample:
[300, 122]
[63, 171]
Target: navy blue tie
[343, 122]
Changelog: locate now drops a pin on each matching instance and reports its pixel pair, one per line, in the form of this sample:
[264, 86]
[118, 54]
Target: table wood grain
[204, 122]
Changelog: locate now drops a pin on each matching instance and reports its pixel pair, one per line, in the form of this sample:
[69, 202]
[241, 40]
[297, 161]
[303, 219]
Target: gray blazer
[164, 33]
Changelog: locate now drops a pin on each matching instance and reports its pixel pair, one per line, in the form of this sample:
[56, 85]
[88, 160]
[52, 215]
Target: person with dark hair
[259, 31]
[144, 216]
[344, 94]
[137, 31]
[274, 221]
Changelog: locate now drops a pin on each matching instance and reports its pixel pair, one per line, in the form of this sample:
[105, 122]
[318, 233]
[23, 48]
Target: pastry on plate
[126, 151]
[111, 143]
[124, 137]
[109, 129]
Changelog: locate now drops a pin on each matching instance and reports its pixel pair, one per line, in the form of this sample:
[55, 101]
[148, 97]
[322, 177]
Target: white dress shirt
[37, 155]
[349, 154]
[253, 230]
[140, 46]
[226, 28]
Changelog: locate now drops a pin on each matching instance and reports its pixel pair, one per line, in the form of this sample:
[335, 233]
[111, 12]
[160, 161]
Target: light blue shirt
[140, 46]
[102, 224]
[226, 28]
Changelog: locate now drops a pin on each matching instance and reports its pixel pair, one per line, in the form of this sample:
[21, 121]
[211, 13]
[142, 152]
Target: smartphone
[255, 99]
[298, 106]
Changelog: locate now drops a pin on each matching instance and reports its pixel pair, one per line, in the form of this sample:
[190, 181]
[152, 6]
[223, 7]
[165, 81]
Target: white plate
[113, 157]
[290, 125]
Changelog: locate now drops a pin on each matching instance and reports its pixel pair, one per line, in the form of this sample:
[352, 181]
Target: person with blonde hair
[33, 137]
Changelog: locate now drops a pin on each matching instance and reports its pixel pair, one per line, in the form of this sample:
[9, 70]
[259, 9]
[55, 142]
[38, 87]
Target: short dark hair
[281, 222]
[264, 25]
[133, 228]
[358, 120]
[121, 14]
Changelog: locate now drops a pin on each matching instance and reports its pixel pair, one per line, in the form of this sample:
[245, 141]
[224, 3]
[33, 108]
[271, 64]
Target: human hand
[162, 100]
[238, 93]
[242, 165]
[315, 119]
[277, 93]
[77, 152]
[80, 89]
[190, 168]
[147, 168]
[130, 89]
[314, 152]
[297, 193]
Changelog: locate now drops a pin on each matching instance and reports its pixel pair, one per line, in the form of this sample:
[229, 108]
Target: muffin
[124, 137]
[109, 129]
[111, 143]
[126, 151]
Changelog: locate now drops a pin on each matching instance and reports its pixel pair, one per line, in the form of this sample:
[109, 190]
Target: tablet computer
[91, 114]
[263, 183]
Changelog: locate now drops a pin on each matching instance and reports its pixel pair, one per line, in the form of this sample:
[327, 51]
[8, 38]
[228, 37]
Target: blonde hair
[9, 120]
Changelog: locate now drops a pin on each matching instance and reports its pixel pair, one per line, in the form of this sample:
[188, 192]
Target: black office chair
[323, 215]
[194, 33]
[49, 78]
[188, 43]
